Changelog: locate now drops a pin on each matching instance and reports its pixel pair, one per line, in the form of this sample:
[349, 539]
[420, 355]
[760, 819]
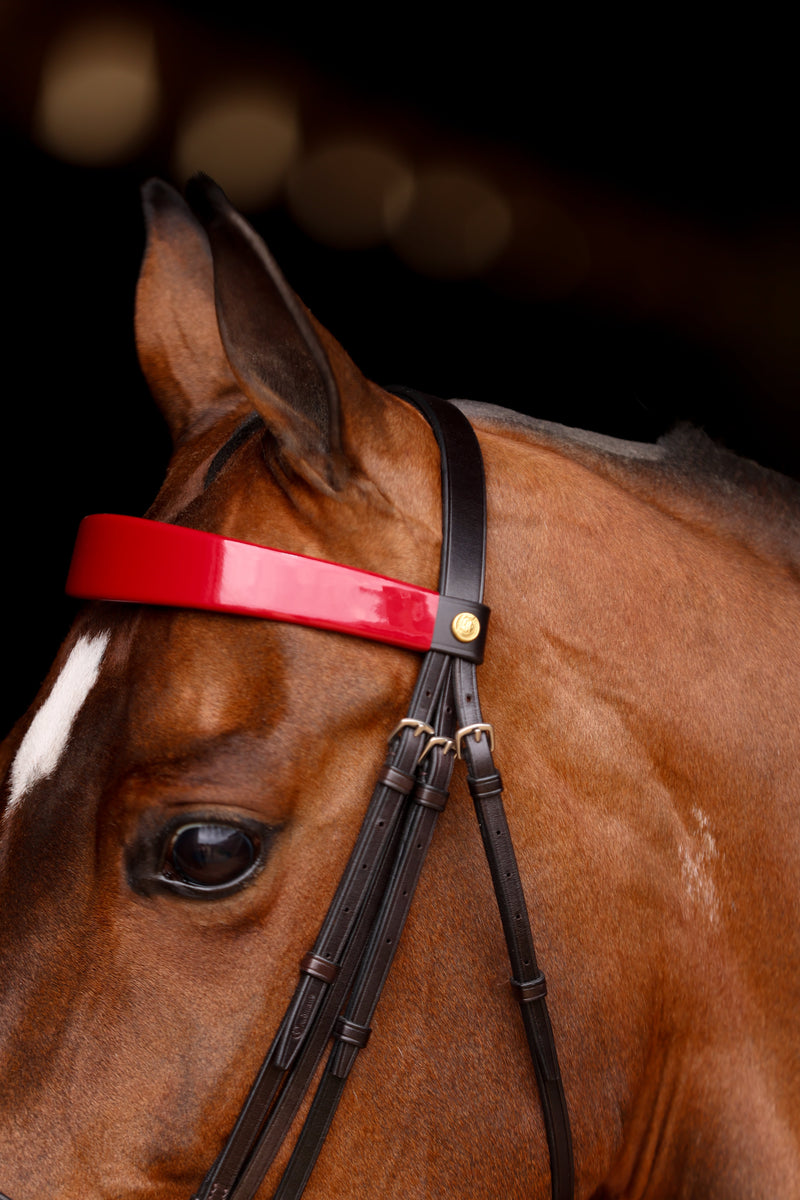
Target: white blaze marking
[48, 733]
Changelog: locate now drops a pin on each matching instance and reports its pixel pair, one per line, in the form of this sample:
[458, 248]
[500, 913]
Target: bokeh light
[98, 92]
[456, 226]
[351, 193]
[245, 136]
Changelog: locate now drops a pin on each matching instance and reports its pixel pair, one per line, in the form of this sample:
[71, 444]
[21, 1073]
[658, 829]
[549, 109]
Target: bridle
[341, 978]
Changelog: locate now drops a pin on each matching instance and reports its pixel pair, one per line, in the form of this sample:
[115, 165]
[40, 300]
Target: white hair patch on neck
[48, 733]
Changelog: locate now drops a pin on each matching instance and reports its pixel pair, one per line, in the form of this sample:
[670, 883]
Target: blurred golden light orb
[98, 92]
[456, 226]
[244, 135]
[351, 193]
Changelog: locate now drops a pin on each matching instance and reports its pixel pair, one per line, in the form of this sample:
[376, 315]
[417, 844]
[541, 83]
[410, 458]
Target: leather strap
[356, 944]
[527, 980]
[352, 1032]
[486, 789]
[292, 1059]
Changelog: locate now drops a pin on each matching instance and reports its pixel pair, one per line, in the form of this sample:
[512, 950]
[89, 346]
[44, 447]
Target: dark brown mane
[692, 454]
[767, 500]
[685, 466]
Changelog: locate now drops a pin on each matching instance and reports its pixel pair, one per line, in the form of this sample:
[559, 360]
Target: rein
[342, 976]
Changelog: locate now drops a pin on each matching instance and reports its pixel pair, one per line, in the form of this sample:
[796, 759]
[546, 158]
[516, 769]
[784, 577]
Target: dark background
[667, 149]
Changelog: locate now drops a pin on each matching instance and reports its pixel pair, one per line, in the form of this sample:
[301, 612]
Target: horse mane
[685, 471]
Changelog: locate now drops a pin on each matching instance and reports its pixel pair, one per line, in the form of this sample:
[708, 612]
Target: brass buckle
[446, 743]
[478, 730]
[419, 727]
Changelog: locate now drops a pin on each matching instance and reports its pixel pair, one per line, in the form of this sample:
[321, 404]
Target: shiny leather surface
[150, 562]
[140, 561]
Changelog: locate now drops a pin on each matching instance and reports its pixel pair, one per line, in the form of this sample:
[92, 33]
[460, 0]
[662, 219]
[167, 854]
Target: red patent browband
[149, 562]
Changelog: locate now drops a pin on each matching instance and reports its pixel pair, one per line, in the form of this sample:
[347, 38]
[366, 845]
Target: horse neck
[641, 676]
[645, 596]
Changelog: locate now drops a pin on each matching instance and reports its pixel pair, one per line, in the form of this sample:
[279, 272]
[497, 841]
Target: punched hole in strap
[320, 968]
[530, 989]
[350, 1032]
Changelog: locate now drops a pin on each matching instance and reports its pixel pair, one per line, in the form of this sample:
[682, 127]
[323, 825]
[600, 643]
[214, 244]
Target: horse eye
[211, 855]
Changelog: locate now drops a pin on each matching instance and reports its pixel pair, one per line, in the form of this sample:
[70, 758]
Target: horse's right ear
[271, 343]
[217, 325]
[177, 335]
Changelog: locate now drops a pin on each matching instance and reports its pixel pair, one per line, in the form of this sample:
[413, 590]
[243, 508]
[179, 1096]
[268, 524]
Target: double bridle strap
[341, 978]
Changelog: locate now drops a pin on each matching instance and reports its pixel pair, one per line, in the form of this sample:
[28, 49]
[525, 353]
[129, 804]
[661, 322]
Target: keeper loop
[354, 1035]
[530, 989]
[400, 781]
[320, 968]
[430, 797]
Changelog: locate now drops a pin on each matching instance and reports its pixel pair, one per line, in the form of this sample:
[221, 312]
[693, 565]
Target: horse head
[140, 1008]
[184, 795]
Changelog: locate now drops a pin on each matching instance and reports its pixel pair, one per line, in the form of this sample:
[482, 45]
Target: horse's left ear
[270, 341]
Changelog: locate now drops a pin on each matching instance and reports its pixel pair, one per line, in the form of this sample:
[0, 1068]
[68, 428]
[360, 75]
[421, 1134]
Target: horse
[184, 795]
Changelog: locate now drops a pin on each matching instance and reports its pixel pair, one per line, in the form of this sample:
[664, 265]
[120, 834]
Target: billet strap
[307, 1026]
[353, 1027]
[528, 982]
[292, 1060]
[462, 466]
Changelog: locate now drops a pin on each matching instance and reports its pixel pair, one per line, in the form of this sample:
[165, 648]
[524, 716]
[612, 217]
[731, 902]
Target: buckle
[419, 727]
[446, 743]
[478, 730]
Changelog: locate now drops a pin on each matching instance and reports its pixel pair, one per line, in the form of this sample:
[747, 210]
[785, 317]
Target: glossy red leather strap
[150, 562]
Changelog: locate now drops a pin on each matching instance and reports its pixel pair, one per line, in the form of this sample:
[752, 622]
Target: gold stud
[465, 627]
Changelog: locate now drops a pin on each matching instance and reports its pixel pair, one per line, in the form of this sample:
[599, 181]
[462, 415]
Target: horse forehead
[182, 661]
[200, 674]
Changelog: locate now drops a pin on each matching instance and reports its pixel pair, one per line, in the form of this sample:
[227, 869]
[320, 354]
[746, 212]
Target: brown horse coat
[641, 675]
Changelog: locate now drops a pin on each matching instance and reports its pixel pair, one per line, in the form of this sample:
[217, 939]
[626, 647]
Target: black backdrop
[684, 127]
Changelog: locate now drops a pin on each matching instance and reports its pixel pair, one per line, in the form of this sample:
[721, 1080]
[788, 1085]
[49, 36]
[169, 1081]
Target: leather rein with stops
[341, 978]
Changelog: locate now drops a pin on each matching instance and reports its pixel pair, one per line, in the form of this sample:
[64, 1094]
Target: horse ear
[215, 319]
[177, 337]
[270, 341]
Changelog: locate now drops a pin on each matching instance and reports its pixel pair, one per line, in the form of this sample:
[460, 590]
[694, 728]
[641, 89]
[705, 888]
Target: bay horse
[184, 795]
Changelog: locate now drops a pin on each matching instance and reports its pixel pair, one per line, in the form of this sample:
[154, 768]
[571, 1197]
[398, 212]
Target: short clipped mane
[695, 460]
[684, 468]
